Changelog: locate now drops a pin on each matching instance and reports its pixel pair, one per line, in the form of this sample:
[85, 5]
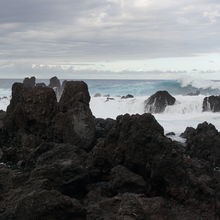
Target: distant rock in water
[158, 102]
[29, 82]
[97, 95]
[109, 99]
[170, 134]
[211, 103]
[127, 96]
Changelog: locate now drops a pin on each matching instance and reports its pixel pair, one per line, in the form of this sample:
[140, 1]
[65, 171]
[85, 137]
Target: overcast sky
[109, 38]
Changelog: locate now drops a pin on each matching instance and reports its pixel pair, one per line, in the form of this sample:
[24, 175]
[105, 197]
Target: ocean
[186, 112]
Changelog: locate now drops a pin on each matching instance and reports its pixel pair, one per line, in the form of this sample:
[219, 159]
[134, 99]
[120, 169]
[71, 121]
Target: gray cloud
[106, 30]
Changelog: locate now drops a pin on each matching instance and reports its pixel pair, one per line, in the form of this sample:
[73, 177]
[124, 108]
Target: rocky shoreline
[57, 161]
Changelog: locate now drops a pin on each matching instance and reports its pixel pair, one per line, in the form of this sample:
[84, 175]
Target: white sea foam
[186, 112]
[199, 83]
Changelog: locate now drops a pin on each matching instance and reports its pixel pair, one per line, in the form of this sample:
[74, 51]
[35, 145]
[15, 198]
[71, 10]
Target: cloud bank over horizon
[108, 36]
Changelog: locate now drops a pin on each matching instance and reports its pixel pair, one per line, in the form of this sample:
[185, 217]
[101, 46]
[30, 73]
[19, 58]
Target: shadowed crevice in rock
[211, 103]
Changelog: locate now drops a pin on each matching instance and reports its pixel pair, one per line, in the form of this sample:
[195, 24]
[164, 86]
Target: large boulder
[204, 143]
[75, 123]
[29, 82]
[131, 142]
[158, 102]
[31, 109]
[211, 103]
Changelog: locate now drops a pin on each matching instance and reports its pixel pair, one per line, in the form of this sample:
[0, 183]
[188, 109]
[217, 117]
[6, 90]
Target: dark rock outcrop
[31, 109]
[158, 102]
[204, 143]
[54, 82]
[211, 103]
[170, 134]
[56, 86]
[29, 82]
[75, 123]
[127, 96]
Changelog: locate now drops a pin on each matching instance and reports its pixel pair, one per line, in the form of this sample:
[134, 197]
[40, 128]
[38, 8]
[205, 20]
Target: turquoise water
[134, 87]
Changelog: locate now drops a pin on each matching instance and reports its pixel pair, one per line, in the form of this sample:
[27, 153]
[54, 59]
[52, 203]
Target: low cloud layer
[55, 31]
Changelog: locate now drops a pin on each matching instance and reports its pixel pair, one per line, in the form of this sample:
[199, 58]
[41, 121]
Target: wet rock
[97, 95]
[130, 143]
[2, 116]
[129, 96]
[123, 180]
[31, 109]
[103, 126]
[40, 85]
[54, 82]
[170, 134]
[211, 103]
[109, 99]
[56, 86]
[158, 102]
[29, 82]
[188, 132]
[75, 122]
[203, 143]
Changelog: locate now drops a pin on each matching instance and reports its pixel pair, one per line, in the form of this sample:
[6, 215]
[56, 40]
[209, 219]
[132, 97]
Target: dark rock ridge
[59, 162]
[211, 103]
[29, 82]
[158, 102]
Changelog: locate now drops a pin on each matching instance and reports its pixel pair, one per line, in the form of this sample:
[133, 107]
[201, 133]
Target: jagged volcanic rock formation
[211, 103]
[59, 162]
[158, 102]
[29, 82]
[74, 123]
[204, 143]
[56, 86]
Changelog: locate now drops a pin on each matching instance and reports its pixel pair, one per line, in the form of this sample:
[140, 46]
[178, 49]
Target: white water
[186, 112]
[198, 83]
